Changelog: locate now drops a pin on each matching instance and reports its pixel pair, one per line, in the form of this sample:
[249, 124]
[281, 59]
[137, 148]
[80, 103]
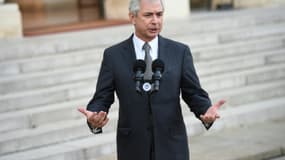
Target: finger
[219, 104]
[104, 122]
[82, 110]
[212, 115]
[98, 118]
[93, 117]
[87, 113]
[217, 116]
[208, 118]
[203, 118]
[101, 116]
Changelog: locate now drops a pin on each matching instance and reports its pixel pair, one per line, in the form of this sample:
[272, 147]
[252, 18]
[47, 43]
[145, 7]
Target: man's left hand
[212, 113]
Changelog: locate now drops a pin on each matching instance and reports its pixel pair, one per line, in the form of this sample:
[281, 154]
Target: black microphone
[157, 69]
[139, 69]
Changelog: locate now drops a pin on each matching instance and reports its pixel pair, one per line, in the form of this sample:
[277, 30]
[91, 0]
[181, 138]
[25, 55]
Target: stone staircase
[239, 55]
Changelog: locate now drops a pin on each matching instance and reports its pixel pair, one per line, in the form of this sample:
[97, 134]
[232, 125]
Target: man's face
[148, 22]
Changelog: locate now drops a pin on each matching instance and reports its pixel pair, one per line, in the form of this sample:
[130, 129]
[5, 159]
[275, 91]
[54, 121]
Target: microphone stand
[151, 126]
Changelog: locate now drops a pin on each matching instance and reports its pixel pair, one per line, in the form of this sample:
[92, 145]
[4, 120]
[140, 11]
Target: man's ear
[132, 18]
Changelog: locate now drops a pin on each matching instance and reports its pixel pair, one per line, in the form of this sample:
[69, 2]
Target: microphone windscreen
[158, 64]
[139, 65]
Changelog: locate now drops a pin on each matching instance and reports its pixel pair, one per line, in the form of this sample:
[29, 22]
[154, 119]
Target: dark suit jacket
[170, 138]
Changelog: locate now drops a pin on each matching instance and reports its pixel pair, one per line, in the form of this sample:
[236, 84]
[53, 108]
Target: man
[150, 126]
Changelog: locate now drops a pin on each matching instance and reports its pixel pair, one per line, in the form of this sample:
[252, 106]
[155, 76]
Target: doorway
[52, 16]
[200, 5]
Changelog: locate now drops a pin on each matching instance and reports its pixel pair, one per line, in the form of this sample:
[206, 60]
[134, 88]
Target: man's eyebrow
[159, 12]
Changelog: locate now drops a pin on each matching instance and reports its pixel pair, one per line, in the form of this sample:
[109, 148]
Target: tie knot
[146, 47]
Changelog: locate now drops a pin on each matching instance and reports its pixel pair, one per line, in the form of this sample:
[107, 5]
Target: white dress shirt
[140, 53]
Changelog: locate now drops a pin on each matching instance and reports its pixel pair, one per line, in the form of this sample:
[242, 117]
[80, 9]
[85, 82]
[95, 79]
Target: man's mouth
[153, 30]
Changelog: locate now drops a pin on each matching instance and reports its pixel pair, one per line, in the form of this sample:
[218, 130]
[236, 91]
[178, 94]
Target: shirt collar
[139, 43]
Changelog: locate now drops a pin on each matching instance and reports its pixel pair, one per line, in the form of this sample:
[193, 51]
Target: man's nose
[155, 19]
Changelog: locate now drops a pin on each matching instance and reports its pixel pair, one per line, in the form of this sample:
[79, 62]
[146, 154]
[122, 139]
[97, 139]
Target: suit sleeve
[104, 94]
[192, 93]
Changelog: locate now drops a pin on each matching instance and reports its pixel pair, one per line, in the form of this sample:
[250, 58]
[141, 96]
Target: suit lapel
[163, 53]
[129, 52]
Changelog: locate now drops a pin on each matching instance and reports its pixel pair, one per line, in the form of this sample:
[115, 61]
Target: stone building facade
[11, 11]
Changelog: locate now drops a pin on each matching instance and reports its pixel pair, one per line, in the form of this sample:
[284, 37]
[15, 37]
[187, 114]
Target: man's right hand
[97, 120]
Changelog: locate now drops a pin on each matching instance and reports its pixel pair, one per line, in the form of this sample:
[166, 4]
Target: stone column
[176, 9]
[11, 22]
[116, 9]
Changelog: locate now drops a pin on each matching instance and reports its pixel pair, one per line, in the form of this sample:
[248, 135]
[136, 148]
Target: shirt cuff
[96, 130]
[208, 125]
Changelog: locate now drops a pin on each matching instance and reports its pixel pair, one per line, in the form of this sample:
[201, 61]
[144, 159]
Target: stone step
[276, 59]
[250, 94]
[42, 136]
[61, 136]
[75, 149]
[51, 133]
[54, 94]
[247, 90]
[242, 62]
[62, 43]
[227, 21]
[253, 32]
[244, 78]
[51, 62]
[41, 80]
[51, 95]
[208, 53]
[94, 146]
[226, 35]
[6, 68]
[55, 132]
[76, 90]
[36, 117]
[74, 126]
[24, 82]
[93, 56]
[231, 35]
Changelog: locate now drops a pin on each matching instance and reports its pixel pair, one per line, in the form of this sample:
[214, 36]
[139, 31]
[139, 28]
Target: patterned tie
[148, 61]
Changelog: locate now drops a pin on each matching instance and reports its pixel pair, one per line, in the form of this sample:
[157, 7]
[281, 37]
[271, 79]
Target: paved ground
[262, 141]
[280, 158]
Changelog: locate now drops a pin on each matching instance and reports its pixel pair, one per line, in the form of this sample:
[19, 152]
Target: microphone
[139, 69]
[157, 69]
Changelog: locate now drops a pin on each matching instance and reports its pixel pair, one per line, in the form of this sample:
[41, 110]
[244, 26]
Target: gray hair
[134, 6]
